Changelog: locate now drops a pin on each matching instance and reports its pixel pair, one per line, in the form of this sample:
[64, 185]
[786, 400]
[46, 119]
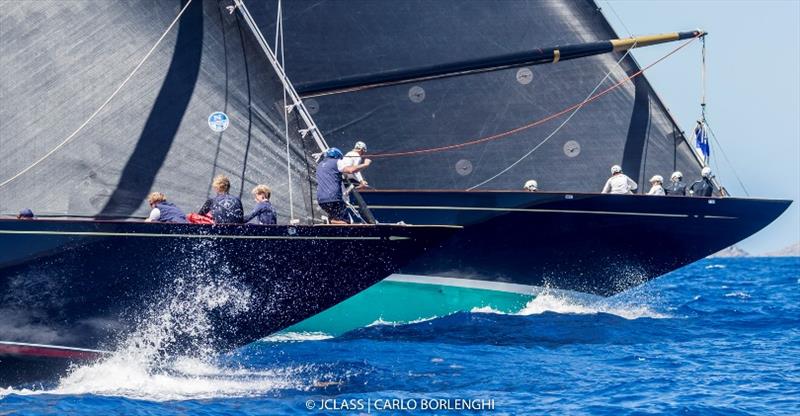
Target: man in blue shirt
[224, 208]
[329, 184]
[263, 211]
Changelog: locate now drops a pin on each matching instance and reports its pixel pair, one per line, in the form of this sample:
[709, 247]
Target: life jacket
[227, 209]
[170, 213]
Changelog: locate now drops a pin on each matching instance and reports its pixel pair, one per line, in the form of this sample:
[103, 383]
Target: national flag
[701, 140]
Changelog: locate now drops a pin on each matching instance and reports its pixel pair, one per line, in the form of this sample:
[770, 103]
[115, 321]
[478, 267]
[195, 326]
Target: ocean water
[721, 336]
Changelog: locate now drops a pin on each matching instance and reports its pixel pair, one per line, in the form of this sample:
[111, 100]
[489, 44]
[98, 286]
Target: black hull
[72, 286]
[593, 243]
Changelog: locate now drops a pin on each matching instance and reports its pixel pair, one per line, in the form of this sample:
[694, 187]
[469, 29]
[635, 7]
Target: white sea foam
[486, 309]
[380, 321]
[737, 294]
[297, 337]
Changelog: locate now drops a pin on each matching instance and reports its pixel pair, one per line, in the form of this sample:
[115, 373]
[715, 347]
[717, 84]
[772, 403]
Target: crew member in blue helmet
[25, 214]
[329, 183]
[163, 211]
[224, 208]
[263, 211]
[704, 186]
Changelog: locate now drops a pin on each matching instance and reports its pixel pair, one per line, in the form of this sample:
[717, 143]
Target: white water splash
[567, 304]
[564, 302]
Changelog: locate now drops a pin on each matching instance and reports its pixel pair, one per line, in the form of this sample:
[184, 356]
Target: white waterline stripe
[560, 211]
[720, 217]
[465, 283]
[60, 347]
[212, 236]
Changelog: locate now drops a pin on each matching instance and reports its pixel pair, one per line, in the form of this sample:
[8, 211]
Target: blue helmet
[334, 153]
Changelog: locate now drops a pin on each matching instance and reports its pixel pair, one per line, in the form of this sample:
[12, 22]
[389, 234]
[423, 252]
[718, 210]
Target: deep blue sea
[721, 336]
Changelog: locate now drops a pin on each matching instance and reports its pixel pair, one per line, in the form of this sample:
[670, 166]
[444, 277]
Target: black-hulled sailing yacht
[454, 99]
[103, 102]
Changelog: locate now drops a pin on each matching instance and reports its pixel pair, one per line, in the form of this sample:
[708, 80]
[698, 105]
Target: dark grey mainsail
[59, 61]
[332, 40]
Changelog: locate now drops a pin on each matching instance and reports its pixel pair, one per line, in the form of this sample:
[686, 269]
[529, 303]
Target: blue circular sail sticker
[218, 121]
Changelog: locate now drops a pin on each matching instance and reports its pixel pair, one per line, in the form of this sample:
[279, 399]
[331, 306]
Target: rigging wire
[557, 129]
[105, 103]
[279, 35]
[537, 122]
[725, 156]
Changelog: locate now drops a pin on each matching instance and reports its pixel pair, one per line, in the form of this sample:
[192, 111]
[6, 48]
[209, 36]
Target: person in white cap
[656, 187]
[703, 186]
[676, 187]
[353, 158]
[619, 183]
[531, 186]
[355, 181]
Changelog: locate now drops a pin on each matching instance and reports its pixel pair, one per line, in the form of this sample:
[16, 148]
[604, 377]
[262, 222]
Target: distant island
[732, 251]
[792, 250]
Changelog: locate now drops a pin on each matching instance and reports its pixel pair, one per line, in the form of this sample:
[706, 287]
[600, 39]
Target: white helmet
[360, 146]
[531, 185]
[706, 172]
[616, 169]
[657, 178]
[676, 176]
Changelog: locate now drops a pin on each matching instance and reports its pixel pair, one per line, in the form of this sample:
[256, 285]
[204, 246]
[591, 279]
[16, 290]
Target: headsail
[329, 41]
[154, 134]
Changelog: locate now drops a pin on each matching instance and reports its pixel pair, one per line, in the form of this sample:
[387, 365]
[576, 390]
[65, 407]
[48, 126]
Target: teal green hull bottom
[400, 302]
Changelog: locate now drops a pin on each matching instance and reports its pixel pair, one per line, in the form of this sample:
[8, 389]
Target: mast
[537, 56]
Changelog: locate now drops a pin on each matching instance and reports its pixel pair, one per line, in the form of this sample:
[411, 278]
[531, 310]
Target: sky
[752, 91]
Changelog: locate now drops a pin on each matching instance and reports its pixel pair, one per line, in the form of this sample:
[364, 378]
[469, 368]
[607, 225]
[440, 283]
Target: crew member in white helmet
[356, 180]
[353, 158]
[656, 187]
[531, 186]
[704, 186]
[618, 183]
[677, 187]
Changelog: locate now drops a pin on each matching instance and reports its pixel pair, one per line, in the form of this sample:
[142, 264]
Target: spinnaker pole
[493, 63]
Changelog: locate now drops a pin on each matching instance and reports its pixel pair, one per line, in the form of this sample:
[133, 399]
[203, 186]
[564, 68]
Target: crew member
[224, 208]
[163, 211]
[263, 211]
[25, 214]
[704, 186]
[676, 187]
[329, 184]
[357, 181]
[531, 186]
[619, 183]
[353, 158]
[656, 187]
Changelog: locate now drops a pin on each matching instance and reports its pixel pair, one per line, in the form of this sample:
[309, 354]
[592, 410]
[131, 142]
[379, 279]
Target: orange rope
[537, 122]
